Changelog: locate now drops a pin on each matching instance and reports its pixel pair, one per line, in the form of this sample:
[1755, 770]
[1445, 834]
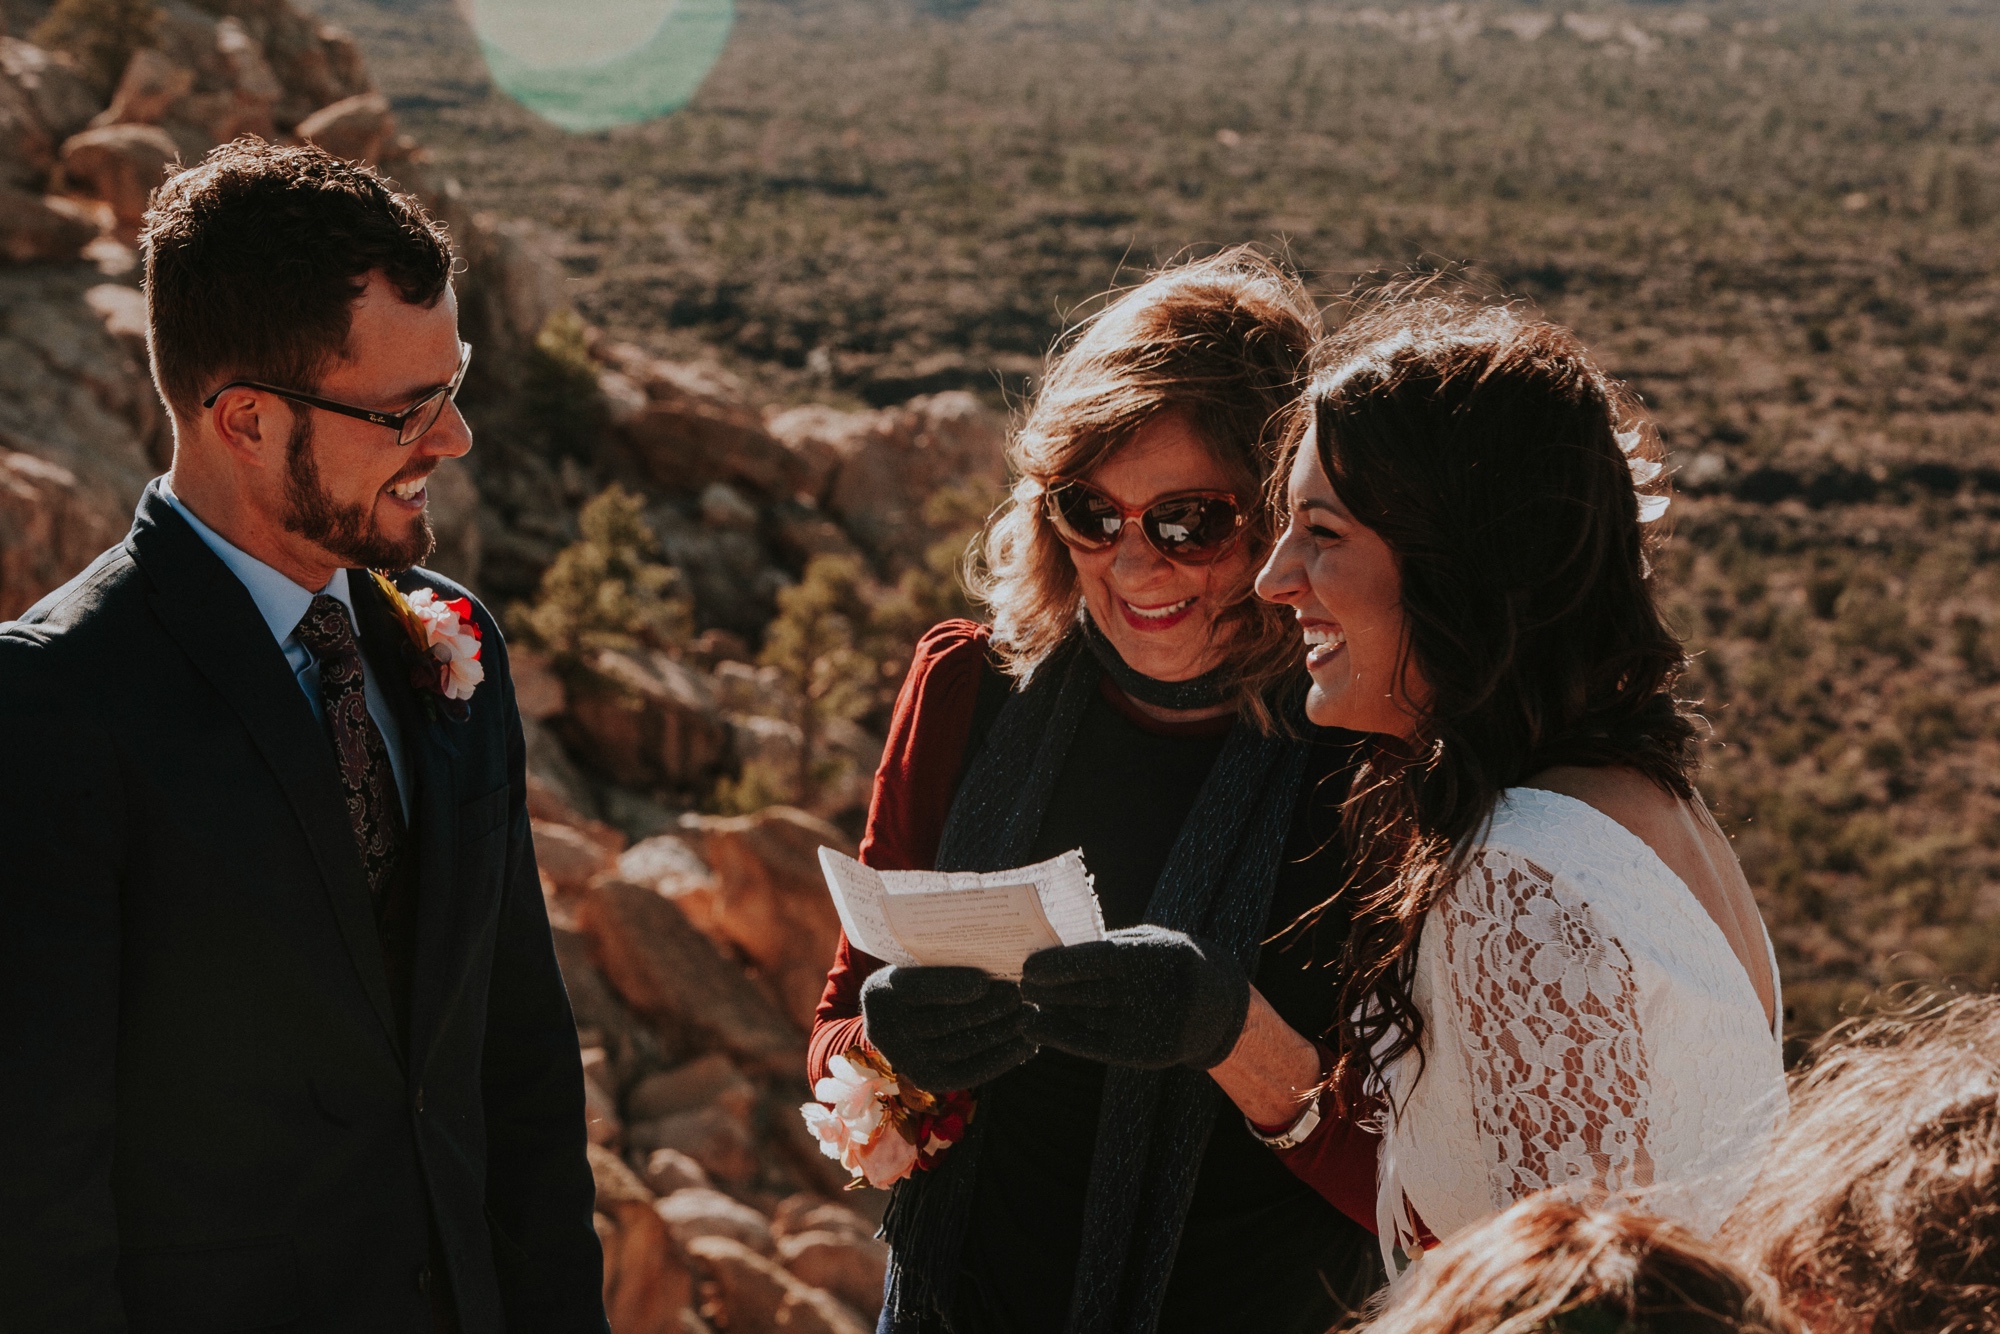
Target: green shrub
[818, 644]
[607, 591]
[560, 400]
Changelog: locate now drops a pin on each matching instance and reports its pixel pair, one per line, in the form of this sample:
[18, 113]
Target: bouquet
[882, 1128]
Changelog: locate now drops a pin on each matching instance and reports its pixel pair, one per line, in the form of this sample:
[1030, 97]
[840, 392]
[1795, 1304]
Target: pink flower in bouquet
[834, 1139]
[887, 1158]
[856, 1094]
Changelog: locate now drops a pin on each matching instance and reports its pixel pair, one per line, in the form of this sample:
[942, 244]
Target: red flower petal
[462, 607]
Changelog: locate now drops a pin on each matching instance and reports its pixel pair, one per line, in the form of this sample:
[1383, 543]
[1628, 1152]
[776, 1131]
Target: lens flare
[595, 64]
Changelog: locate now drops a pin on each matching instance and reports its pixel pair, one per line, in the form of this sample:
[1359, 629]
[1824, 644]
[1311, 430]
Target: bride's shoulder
[1565, 832]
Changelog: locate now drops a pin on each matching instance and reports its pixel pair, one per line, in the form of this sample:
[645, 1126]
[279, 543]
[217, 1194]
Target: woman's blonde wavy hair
[1224, 341]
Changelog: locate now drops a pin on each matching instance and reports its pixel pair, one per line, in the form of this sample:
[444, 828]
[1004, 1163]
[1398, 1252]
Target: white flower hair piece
[1644, 471]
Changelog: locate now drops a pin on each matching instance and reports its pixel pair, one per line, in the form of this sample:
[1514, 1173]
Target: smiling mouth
[410, 490]
[1322, 642]
[1156, 618]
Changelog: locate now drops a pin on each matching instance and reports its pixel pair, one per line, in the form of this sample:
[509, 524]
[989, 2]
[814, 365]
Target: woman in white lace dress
[1557, 975]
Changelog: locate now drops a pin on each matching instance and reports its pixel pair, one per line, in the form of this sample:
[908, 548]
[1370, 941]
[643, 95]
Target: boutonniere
[882, 1128]
[444, 647]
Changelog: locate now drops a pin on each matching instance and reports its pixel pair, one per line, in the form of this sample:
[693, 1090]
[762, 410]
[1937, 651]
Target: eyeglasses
[409, 424]
[1188, 528]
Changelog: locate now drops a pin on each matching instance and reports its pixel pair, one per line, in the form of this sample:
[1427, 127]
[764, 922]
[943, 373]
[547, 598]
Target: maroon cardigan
[906, 817]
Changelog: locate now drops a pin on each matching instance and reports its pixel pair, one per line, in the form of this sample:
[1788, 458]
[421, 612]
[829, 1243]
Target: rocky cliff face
[693, 956]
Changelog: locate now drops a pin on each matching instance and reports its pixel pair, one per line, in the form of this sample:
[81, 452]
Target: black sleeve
[61, 823]
[539, 1190]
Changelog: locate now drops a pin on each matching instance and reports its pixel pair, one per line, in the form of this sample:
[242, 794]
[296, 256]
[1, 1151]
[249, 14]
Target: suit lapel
[211, 615]
[430, 752]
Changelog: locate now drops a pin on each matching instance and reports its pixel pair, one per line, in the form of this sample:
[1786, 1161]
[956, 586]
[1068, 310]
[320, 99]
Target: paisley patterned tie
[368, 783]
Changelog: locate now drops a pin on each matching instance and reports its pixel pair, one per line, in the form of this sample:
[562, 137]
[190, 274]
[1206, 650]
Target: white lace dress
[1586, 1025]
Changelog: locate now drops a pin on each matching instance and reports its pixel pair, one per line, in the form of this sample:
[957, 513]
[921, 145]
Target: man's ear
[251, 424]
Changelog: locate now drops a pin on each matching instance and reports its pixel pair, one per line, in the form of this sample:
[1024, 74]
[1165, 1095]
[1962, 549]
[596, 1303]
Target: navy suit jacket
[209, 1119]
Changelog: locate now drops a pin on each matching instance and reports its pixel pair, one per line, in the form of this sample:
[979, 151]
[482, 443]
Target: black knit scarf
[1154, 1125]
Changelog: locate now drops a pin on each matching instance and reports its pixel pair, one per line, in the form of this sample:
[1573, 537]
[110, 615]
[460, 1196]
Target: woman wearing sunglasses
[1129, 700]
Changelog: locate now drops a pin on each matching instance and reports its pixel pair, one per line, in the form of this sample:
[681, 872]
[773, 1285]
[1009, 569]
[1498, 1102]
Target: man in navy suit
[282, 1040]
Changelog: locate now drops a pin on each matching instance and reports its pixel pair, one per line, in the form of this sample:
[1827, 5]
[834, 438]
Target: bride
[1556, 976]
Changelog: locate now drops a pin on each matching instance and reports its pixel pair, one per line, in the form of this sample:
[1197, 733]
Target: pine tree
[607, 591]
[818, 645]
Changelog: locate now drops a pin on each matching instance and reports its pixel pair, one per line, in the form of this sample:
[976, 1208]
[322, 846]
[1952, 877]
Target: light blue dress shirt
[283, 605]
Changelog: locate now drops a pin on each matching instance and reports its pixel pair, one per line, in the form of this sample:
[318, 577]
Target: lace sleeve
[1544, 1005]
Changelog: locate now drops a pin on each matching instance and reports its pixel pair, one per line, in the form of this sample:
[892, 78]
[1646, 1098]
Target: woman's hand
[1144, 997]
[945, 1028]
[1274, 1070]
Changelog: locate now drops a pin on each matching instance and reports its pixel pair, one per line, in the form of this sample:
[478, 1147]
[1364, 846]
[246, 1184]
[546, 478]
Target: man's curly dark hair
[253, 260]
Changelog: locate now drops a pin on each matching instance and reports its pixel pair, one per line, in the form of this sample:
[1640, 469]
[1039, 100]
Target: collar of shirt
[281, 602]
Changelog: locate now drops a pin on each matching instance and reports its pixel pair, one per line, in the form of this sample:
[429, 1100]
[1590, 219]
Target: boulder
[800, 531]
[706, 1081]
[26, 149]
[355, 128]
[772, 743]
[851, 1268]
[699, 1212]
[713, 1137]
[600, 1114]
[251, 85]
[769, 899]
[694, 431]
[727, 571]
[120, 164]
[669, 865]
[60, 96]
[756, 1296]
[593, 1005]
[669, 1170]
[644, 720]
[557, 789]
[745, 689]
[152, 85]
[538, 691]
[48, 529]
[209, 77]
[512, 282]
[453, 506]
[122, 309]
[881, 467]
[668, 971]
[37, 229]
[804, 1212]
[316, 63]
[567, 857]
[645, 1283]
[597, 1070]
[787, 1135]
[71, 396]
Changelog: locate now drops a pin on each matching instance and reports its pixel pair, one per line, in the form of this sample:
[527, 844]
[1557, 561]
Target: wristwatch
[1293, 1135]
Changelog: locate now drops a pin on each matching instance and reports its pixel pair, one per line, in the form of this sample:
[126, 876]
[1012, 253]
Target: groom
[282, 1039]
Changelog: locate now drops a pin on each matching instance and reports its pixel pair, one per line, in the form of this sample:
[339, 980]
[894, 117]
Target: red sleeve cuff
[1339, 1158]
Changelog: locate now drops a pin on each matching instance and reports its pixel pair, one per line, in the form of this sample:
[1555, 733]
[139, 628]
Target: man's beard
[347, 531]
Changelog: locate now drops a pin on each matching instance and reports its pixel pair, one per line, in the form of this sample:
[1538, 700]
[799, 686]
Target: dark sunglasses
[1189, 528]
[409, 424]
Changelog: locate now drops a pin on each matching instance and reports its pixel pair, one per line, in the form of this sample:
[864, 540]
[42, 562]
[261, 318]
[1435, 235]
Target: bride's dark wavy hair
[1503, 469]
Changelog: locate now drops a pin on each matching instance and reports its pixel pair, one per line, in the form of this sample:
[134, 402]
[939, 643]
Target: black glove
[945, 1028]
[1144, 997]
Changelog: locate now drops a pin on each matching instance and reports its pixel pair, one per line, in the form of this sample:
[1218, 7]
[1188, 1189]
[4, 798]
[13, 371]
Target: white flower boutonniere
[444, 646]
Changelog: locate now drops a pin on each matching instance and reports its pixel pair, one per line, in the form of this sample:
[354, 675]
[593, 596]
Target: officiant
[1152, 1147]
